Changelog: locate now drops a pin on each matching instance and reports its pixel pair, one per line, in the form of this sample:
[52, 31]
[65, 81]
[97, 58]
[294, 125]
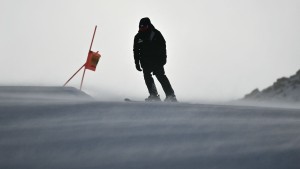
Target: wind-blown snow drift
[93, 135]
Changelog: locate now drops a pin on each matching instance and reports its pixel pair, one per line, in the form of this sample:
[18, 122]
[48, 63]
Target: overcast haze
[217, 50]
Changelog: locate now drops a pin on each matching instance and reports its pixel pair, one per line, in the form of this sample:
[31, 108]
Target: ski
[129, 100]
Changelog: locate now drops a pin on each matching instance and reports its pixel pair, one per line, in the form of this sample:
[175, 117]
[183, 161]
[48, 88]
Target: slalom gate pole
[93, 38]
[73, 75]
[88, 56]
[82, 79]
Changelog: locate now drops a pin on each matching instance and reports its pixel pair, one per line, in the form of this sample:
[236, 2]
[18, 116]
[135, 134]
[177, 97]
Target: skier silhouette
[150, 57]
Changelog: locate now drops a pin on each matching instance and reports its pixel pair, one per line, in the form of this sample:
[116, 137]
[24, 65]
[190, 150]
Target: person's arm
[136, 54]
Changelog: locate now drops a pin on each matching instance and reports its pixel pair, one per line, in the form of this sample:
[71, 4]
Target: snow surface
[40, 94]
[118, 135]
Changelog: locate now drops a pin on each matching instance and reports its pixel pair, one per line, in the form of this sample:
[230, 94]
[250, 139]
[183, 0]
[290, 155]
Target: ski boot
[153, 98]
[171, 98]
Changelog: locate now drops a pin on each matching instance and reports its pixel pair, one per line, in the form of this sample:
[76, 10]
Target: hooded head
[145, 25]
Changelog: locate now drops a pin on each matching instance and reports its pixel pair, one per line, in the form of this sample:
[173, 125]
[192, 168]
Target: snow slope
[40, 94]
[283, 90]
[93, 135]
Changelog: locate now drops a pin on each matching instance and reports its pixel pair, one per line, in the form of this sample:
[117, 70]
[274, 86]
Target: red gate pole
[73, 76]
[82, 78]
[88, 57]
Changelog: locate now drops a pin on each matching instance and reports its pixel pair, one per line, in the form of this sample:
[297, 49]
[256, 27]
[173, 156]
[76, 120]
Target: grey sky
[217, 49]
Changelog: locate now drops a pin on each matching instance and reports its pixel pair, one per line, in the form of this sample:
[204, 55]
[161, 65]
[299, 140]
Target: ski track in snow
[117, 135]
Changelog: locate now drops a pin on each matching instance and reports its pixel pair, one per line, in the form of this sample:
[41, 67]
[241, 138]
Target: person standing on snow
[150, 53]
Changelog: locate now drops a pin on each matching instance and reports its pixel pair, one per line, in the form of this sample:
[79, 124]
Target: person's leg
[164, 81]
[150, 82]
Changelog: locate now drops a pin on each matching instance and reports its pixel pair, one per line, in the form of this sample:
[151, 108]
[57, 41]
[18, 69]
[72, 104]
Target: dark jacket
[150, 49]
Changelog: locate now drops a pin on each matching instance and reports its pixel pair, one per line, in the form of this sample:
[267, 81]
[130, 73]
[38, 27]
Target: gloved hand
[138, 67]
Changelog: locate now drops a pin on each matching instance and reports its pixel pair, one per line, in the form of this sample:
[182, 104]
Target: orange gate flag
[92, 60]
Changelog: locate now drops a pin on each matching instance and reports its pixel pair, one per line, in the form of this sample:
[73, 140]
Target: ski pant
[161, 77]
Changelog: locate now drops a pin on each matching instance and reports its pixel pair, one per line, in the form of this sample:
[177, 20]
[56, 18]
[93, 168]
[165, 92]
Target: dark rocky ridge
[284, 89]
